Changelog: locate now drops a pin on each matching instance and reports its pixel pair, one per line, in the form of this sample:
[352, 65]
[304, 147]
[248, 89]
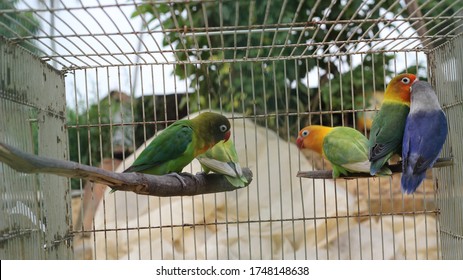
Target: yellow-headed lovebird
[223, 159]
[424, 135]
[344, 147]
[388, 125]
[178, 144]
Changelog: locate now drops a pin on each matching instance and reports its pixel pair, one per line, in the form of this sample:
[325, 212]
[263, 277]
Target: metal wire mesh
[446, 68]
[35, 209]
[273, 67]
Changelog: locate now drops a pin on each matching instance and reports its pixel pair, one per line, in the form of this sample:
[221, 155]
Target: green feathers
[386, 134]
[223, 159]
[180, 143]
[388, 125]
[344, 147]
[347, 150]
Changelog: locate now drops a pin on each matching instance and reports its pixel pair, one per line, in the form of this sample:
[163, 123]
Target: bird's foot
[176, 175]
[191, 176]
[182, 181]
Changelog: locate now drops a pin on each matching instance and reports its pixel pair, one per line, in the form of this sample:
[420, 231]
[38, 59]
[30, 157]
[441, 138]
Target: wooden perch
[395, 168]
[166, 185]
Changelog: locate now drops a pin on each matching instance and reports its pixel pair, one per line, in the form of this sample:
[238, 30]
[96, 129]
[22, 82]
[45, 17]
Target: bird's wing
[225, 168]
[343, 146]
[423, 140]
[387, 132]
[172, 143]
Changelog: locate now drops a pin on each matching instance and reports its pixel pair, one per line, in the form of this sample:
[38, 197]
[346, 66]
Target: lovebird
[181, 142]
[223, 159]
[344, 147]
[424, 135]
[388, 125]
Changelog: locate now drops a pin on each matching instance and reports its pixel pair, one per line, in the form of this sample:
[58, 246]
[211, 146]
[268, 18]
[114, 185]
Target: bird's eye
[305, 133]
[406, 80]
[223, 128]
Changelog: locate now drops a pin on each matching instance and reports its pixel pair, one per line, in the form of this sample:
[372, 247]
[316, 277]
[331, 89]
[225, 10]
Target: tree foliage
[270, 77]
[268, 86]
[103, 130]
[18, 24]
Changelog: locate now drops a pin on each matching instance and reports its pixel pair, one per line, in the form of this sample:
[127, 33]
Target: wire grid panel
[35, 219]
[301, 217]
[446, 70]
[87, 35]
[272, 68]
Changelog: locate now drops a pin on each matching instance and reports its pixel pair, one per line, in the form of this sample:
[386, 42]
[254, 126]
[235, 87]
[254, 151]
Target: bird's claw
[176, 175]
[191, 176]
[182, 181]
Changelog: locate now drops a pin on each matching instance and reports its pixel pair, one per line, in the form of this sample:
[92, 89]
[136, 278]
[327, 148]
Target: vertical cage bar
[35, 219]
[445, 71]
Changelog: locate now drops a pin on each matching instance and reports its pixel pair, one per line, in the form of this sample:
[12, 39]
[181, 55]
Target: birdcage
[94, 81]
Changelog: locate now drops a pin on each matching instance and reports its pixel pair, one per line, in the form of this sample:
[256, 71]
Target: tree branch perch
[165, 185]
[395, 168]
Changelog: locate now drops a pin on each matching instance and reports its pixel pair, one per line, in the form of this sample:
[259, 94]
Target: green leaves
[18, 24]
[255, 57]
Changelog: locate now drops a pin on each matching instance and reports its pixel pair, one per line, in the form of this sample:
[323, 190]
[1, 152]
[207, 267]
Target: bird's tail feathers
[238, 182]
[376, 166]
[384, 171]
[410, 182]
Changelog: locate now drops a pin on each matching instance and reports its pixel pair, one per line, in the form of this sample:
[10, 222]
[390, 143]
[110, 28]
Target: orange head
[311, 137]
[398, 89]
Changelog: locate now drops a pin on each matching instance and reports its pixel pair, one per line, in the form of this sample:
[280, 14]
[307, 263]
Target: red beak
[300, 142]
[227, 136]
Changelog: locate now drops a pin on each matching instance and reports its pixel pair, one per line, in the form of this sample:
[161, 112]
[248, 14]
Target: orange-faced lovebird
[223, 159]
[388, 125]
[180, 143]
[344, 147]
[424, 135]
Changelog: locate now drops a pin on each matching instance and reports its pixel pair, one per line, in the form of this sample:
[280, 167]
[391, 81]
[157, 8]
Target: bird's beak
[300, 142]
[411, 87]
[227, 136]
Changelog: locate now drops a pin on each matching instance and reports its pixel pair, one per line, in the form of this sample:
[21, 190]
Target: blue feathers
[424, 135]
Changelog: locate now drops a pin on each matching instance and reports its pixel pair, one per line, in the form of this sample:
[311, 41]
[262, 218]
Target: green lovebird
[344, 147]
[181, 142]
[388, 125]
[223, 159]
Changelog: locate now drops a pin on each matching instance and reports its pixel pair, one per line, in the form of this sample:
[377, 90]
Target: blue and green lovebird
[181, 142]
[424, 135]
[388, 125]
[344, 147]
[223, 159]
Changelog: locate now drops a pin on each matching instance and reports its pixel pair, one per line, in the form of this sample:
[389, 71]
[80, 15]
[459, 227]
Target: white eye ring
[406, 80]
[223, 128]
[305, 133]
